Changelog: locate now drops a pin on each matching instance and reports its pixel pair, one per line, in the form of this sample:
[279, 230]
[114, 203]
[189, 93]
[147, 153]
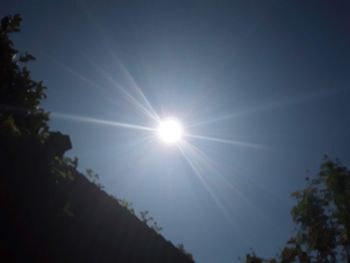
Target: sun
[170, 131]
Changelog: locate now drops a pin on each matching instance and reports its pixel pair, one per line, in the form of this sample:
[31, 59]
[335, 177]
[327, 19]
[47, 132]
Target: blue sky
[271, 75]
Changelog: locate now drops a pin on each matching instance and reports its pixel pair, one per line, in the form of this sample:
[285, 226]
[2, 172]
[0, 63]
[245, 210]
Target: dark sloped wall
[65, 218]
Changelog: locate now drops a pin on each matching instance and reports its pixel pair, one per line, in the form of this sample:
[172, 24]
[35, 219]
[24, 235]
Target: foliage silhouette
[50, 212]
[20, 96]
[322, 217]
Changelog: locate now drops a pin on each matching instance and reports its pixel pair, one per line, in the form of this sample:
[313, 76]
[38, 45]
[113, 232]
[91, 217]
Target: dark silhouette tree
[20, 95]
[322, 217]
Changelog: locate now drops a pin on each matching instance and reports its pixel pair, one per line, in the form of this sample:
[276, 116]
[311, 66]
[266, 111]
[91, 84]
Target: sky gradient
[270, 80]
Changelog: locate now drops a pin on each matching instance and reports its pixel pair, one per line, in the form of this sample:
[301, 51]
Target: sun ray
[270, 106]
[196, 171]
[101, 30]
[99, 121]
[226, 141]
[210, 166]
[196, 167]
[148, 112]
[74, 72]
[135, 85]
[133, 101]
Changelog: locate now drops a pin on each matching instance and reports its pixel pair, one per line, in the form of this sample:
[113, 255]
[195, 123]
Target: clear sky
[269, 79]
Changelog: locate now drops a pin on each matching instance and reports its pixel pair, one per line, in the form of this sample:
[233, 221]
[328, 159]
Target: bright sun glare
[170, 131]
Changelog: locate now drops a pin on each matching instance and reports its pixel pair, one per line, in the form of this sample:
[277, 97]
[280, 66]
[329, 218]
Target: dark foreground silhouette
[49, 211]
[322, 218]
